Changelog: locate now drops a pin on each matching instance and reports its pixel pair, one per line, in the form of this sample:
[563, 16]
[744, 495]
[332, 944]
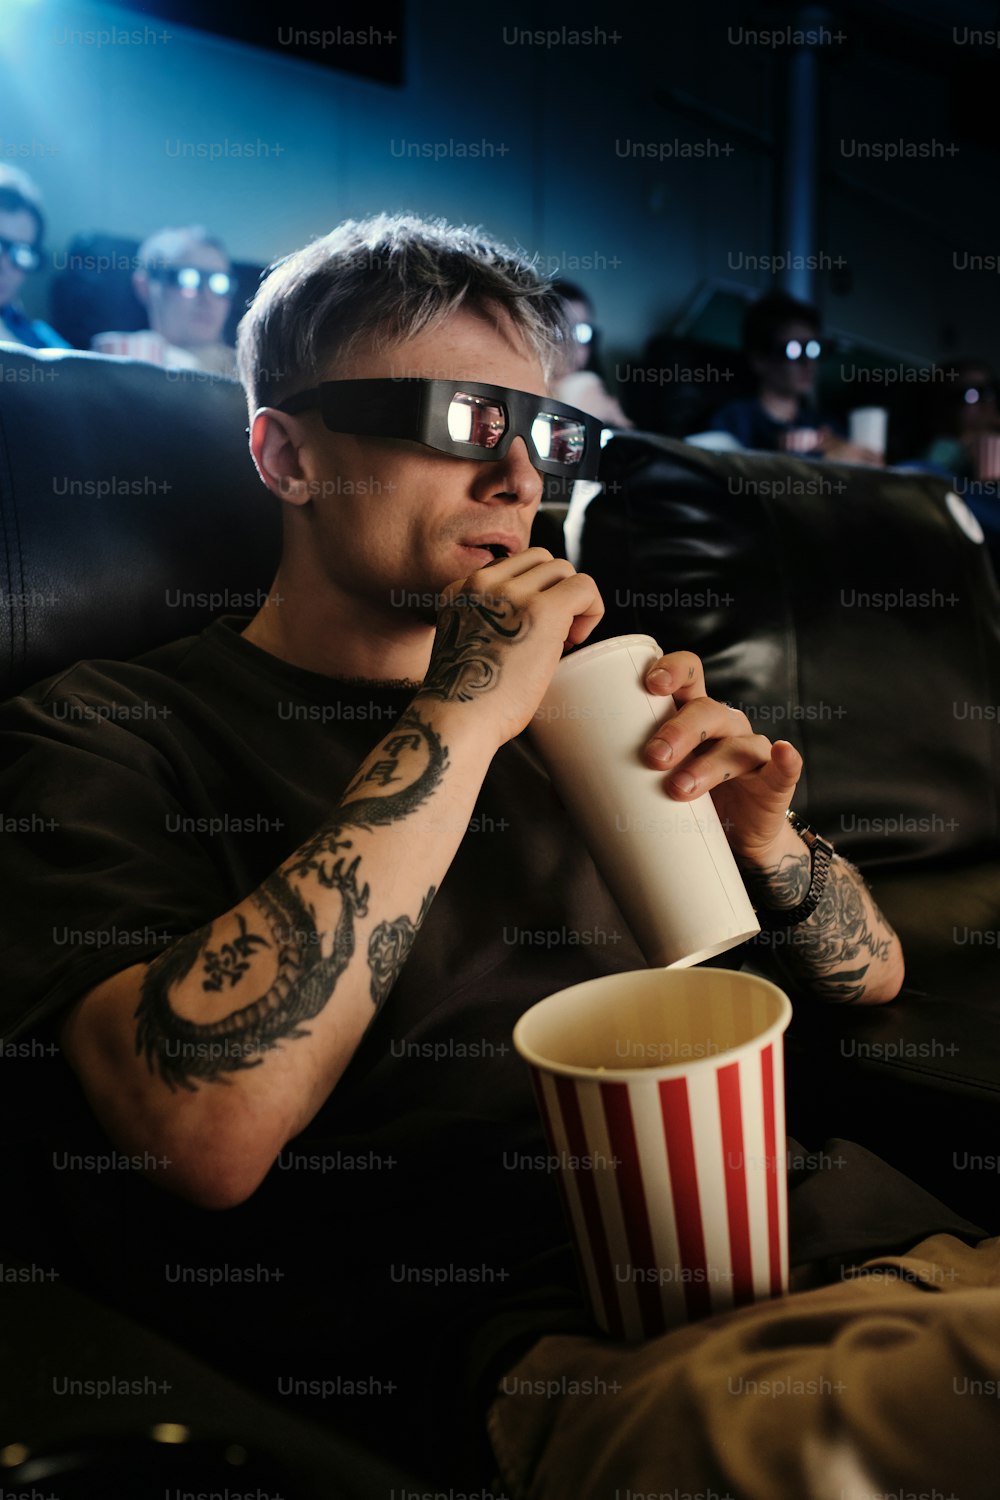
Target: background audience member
[22, 226]
[580, 383]
[184, 281]
[967, 411]
[782, 344]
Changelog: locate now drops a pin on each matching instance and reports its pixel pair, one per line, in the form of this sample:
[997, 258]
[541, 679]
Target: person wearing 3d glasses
[305, 838]
[782, 343]
[22, 228]
[184, 280]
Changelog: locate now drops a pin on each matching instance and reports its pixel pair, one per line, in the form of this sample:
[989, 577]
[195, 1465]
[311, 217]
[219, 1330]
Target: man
[782, 345]
[307, 838]
[579, 381]
[185, 282]
[22, 229]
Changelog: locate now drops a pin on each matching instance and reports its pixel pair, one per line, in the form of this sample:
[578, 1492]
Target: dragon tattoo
[181, 1050]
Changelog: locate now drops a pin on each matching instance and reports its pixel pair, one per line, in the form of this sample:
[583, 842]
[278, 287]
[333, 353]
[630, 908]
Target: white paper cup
[662, 1098]
[868, 426]
[987, 456]
[667, 864]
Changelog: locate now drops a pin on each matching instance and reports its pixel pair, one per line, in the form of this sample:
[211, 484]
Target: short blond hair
[380, 281]
[165, 246]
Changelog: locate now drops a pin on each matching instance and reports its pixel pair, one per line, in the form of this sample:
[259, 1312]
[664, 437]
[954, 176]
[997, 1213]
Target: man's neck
[782, 408]
[339, 638]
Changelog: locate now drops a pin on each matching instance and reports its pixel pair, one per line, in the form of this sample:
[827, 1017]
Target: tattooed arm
[223, 1048]
[845, 951]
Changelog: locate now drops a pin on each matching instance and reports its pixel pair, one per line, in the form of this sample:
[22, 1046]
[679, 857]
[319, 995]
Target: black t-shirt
[410, 1243]
[142, 799]
[755, 428]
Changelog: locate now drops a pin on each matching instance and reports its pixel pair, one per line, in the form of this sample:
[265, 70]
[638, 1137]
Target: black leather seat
[132, 513]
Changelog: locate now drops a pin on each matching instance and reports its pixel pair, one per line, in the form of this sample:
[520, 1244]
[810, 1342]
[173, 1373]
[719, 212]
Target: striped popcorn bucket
[662, 1097]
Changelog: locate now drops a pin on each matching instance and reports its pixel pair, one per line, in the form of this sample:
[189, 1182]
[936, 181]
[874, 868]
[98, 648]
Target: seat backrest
[130, 509]
[848, 609]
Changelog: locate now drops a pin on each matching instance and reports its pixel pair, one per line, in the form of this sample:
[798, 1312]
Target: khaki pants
[882, 1386]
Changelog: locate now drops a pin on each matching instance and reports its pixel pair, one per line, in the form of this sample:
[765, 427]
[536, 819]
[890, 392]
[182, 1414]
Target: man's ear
[140, 285]
[275, 438]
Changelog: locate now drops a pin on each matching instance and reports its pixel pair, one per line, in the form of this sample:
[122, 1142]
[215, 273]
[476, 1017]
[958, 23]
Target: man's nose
[514, 477]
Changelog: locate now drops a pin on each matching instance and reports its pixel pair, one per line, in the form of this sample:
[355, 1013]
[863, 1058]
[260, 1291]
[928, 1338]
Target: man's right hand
[501, 632]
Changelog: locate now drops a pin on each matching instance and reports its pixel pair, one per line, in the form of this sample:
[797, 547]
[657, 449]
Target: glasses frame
[417, 409]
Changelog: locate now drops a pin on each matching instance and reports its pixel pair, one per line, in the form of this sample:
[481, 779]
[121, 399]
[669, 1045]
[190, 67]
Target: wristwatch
[821, 852]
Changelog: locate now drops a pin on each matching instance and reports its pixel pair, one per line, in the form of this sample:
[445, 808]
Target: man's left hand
[711, 747]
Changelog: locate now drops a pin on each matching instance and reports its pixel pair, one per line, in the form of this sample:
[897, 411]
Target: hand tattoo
[466, 656]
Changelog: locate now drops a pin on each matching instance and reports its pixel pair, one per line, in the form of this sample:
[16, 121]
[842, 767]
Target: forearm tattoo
[834, 948]
[389, 947]
[471, 632]
[304, 976]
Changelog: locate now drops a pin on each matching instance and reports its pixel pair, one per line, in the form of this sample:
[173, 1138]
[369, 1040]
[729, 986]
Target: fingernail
[683, 781]
[659, 679]
[659, 752]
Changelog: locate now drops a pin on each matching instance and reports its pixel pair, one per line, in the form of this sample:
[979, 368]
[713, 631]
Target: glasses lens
[583, 332]
[20, 254]
[221, 283]
[558, 438]
[794, 349]
[475, 420]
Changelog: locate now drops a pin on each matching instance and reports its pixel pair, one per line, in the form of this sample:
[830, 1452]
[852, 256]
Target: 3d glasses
[462, 417]
[191, 279]
[794, 349]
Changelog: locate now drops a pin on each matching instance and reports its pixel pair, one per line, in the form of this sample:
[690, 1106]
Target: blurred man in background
[185, 283]
[782, 343]
[22, 227]
[580, 382]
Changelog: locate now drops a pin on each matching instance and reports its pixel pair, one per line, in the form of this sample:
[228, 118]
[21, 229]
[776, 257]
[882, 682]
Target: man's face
[188, 318]
[788, 377]
[17, 225]
[978, 412]
[395, 522]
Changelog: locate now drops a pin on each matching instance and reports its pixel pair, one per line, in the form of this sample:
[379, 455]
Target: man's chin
[418, 603]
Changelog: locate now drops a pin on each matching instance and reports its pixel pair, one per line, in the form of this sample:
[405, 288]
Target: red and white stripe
[693, 1220]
